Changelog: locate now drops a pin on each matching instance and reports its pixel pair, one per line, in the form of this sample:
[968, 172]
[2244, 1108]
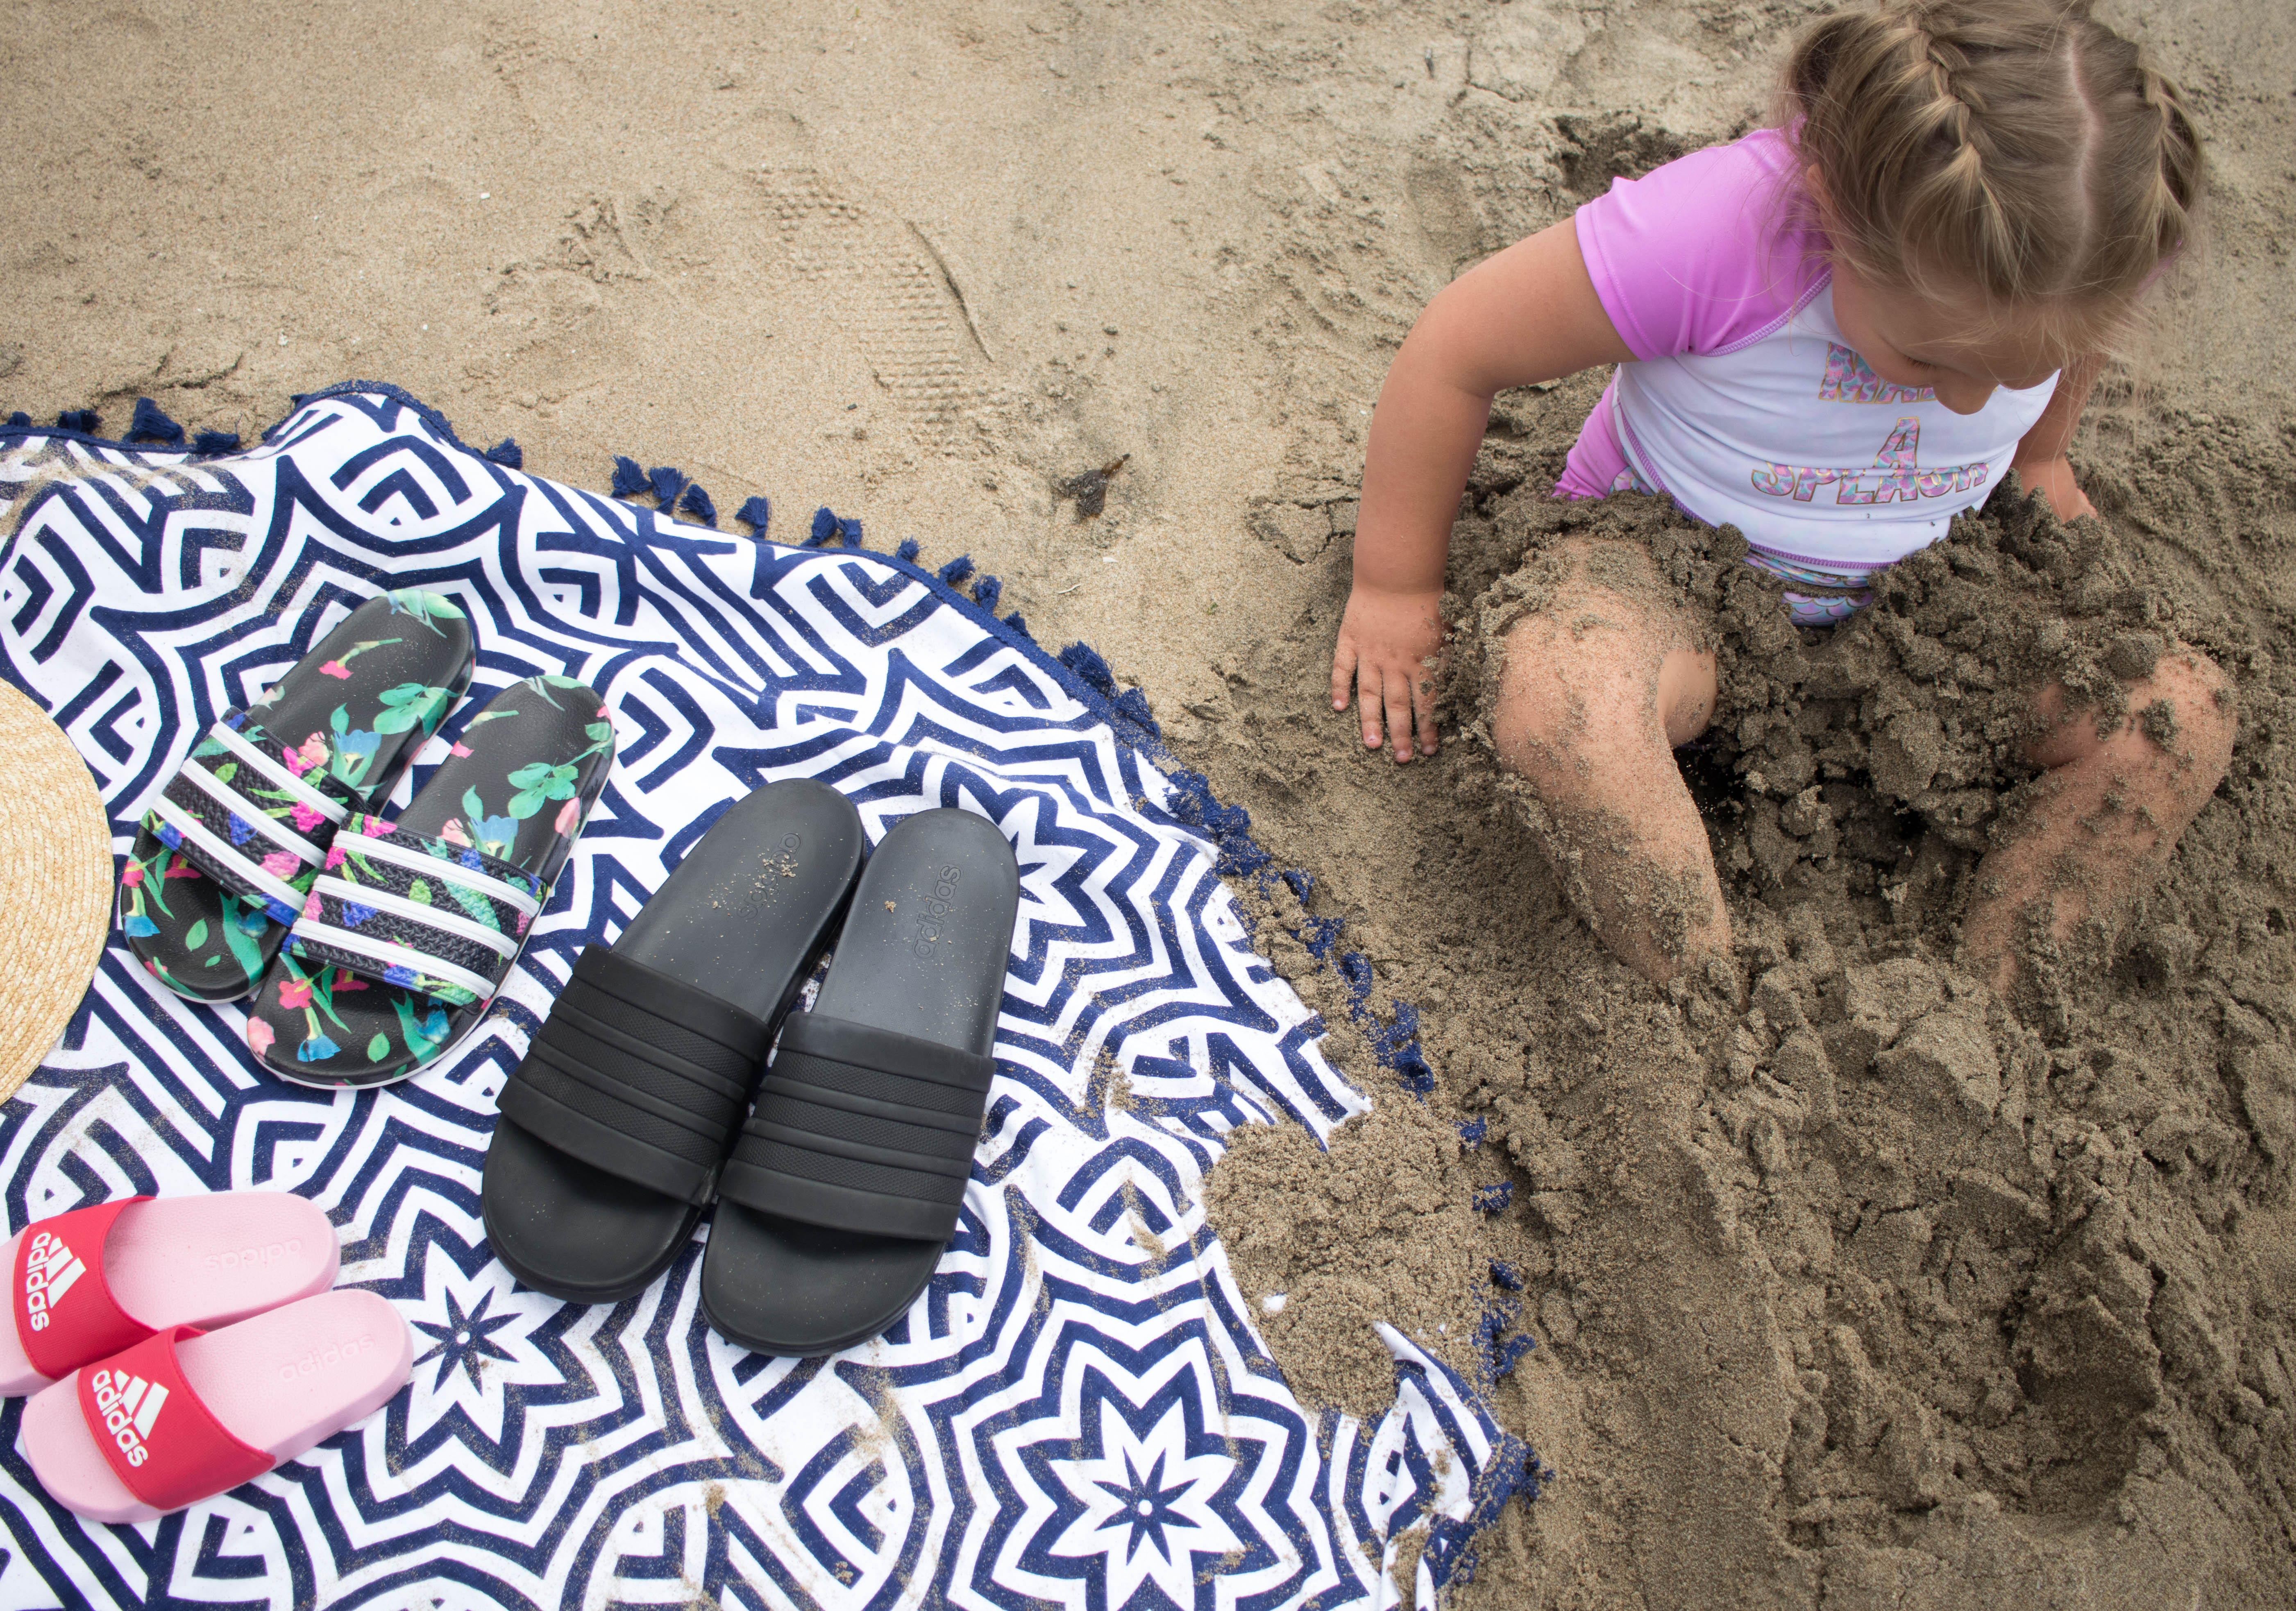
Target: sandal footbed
[781, 1286]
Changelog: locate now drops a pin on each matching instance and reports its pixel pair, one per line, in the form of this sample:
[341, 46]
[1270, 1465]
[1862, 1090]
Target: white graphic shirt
[1794, 441]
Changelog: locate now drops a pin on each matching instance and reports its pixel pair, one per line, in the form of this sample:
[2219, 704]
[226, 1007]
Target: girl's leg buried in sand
[1596, 690]
[2101, 822]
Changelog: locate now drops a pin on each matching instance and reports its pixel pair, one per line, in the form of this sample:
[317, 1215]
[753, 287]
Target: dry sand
[1855, 1287]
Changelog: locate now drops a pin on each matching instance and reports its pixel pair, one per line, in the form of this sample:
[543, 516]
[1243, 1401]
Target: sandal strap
[164, 1444]
[639, 1074]
[245, 818]
[862, 1129]
[65, 1312]
[410, 910]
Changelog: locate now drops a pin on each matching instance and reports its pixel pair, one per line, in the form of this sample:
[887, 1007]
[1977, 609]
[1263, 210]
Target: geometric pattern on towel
[1078, 1411]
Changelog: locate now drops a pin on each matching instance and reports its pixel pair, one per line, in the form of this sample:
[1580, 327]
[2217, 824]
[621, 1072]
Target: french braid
[2015, 151]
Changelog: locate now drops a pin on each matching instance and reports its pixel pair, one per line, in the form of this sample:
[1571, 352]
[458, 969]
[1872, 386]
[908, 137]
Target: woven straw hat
[56, 884]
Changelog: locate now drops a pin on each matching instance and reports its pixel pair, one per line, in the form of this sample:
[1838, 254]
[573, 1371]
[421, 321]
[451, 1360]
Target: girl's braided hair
[2016, 152]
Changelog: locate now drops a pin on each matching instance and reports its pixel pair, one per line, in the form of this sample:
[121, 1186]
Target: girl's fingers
[1397, 690]
[1343, 673]
[1367, 702]
[1408, 702]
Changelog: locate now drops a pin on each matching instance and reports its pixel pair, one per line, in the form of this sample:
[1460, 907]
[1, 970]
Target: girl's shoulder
[1706, 253]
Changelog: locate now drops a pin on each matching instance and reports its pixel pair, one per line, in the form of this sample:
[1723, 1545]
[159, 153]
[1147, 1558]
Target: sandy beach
[1854, 1285]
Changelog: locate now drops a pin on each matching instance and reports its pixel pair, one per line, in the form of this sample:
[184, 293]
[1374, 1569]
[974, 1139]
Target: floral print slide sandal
[227, 854]
[411, 927]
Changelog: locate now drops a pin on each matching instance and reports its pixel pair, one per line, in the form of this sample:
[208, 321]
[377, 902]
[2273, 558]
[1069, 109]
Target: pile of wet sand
[1853, 1284]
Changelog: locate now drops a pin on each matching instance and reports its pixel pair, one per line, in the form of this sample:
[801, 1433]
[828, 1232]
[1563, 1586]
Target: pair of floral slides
[174, 1348]
[370, 946]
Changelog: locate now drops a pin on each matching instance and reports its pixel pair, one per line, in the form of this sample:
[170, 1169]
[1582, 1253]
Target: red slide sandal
[86, 1283]
[184, 1415]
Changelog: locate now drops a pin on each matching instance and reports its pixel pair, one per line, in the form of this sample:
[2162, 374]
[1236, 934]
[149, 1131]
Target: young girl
[1835, 335]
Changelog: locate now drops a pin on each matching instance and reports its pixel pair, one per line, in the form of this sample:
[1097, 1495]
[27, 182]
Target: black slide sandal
[614, 1127]
[845, 1184]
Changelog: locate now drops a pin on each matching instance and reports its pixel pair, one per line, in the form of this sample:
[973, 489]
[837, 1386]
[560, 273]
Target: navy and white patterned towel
[1077, 1413]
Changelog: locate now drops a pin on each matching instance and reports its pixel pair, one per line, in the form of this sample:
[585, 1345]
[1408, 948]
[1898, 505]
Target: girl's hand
[2053, 477]
[1528, 315]
[1389, 651]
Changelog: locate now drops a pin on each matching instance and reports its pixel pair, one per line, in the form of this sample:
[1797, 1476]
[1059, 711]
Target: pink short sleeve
[1697, 256]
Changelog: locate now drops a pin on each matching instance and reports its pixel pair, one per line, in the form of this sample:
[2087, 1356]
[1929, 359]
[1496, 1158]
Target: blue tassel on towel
[1091, 668]
[19, 421]
[1229, 827]
[630, 480]
[758, 514]
[1134, 703]
[1504, 1356]
[83, 420]
[216, 442]
[827, 524]
[1092, 671]
[667, 482]
[986, 591]
[695, 506]
[955, 572]
[507, 453]
[908, 549]
[152, 425]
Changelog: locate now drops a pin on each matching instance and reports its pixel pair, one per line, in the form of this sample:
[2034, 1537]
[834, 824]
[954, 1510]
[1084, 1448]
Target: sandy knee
[2186, 706]
[2183, 711]
[2203, 703]
[1563, 692]
[1596, 669]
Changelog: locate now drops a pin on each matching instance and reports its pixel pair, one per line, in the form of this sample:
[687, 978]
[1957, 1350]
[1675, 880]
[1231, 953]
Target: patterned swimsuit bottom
[1817, 595]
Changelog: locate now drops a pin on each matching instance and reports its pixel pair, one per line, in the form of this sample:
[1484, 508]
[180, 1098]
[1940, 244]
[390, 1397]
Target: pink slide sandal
[184, 1415]
[86, 1283]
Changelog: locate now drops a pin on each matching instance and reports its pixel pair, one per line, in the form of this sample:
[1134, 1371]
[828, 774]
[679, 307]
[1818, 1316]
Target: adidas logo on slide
[50, 1270]
[130, 1405]
[270, 1252]
[939, 904]
[321, 1358]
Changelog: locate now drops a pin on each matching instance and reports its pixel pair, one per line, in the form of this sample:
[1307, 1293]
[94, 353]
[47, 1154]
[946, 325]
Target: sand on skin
[1852, 1287]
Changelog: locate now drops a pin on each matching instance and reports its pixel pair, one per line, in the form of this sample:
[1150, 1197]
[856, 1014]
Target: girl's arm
[1528, 315]
[2040, 460]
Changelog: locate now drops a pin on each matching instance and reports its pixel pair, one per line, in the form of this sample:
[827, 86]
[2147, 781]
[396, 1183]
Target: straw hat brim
[55, 885]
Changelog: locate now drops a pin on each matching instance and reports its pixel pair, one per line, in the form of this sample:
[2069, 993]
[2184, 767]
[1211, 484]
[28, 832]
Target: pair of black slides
[626, 1119]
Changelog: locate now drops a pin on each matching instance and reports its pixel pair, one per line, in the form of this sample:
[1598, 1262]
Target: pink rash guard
[1746, 404]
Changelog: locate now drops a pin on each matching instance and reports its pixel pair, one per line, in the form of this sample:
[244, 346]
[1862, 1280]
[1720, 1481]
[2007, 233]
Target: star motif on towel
[1150, 1504]
[465, 1340]
[505, 1379]
[1145, 1505]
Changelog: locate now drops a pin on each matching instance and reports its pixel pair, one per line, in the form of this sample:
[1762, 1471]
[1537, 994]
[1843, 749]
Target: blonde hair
[2018, 152]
